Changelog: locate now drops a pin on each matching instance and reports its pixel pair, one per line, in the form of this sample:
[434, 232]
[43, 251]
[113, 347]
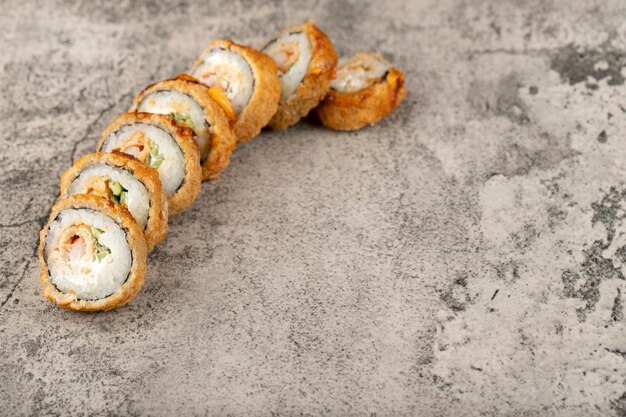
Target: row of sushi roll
[149, 163]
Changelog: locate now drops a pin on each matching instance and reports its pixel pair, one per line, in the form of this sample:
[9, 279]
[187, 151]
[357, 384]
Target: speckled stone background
[466, 256]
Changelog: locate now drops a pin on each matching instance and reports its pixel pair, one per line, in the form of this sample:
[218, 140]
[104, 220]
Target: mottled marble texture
[466, 256]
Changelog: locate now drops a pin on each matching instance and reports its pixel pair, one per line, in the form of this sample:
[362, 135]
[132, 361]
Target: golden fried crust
[223, 140]
[183, 135]
[316, 83]
[156, 228]
[352, 111]
[136, 241]
[266, 94]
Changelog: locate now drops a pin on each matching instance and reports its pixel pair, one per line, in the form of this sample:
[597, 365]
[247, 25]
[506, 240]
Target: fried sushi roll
[306, 62]
[125, 181]
[190, 103]
[160, 143]
[367, 88]
[249, 79]
[92, 254]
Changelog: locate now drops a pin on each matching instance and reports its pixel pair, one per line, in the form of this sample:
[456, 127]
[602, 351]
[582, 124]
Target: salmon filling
[142, 148]
[107, 188]
[284, 54]
[77, 248]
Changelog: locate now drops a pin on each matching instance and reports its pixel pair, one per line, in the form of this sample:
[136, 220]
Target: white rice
[173, 101]
[172, 170]
[359, 72]
[232, 73]
[138, 198]
[290, 80]
[96, 279]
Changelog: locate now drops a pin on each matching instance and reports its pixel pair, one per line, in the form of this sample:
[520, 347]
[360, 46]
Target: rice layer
[172, 169]
[298, 46]
[229, 71]
[93, 279]
[358, 72]
[173, 101]
[138, 198]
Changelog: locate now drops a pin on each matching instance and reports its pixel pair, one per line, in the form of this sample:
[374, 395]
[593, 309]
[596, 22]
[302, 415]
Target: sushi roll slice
[306, 62]
[249, 79]
[367, 88]
[125, 181]
[163, 144]
[92, 254]
[191, 104]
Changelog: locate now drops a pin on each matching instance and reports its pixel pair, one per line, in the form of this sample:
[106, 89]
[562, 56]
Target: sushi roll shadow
[163, 144]
[125, 181]
[248, 77]
[92, 254]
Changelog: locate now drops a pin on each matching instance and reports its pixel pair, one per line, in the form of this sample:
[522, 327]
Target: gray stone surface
[466, 256]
